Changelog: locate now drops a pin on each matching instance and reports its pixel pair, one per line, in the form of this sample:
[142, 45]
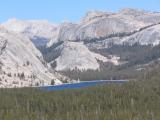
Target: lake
[82, 84]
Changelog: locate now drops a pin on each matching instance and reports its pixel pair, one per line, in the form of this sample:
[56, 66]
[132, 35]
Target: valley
[102, 45]
[104, 66]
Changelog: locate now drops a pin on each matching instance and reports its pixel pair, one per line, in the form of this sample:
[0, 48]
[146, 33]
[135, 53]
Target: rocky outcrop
[75, 55]
[21, 64]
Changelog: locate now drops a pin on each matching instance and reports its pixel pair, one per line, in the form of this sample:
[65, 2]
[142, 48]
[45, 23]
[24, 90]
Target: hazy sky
[72, 10]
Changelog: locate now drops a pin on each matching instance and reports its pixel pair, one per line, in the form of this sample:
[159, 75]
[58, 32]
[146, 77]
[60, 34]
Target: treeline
[136, 100]
[106, 72]
[133, 54]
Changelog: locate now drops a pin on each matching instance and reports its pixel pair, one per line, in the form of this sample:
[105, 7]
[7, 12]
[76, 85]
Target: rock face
[75, 42]
[77, 55]
[98, 25]
[150, 35]
[21, 63]
[97, 30]
[39, 31]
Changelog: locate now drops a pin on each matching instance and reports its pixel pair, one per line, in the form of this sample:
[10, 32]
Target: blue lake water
[82, 84]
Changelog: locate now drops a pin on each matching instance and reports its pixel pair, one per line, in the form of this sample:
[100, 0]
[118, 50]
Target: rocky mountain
[75, 55]
[99, 30]
[96, 40]
[21, 63]
[103, 25]
[39, 31]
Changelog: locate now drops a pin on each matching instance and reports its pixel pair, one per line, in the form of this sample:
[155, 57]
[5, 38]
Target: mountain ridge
[97, 30]
[22, 64]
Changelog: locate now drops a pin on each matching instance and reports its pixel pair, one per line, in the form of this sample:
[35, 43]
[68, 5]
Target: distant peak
[94, 13]
[132, 11]
[90, 15]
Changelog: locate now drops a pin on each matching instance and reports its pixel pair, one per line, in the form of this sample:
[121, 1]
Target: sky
[57, 11]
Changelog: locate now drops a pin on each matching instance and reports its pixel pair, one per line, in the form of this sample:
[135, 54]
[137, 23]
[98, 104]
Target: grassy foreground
[131, 101]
